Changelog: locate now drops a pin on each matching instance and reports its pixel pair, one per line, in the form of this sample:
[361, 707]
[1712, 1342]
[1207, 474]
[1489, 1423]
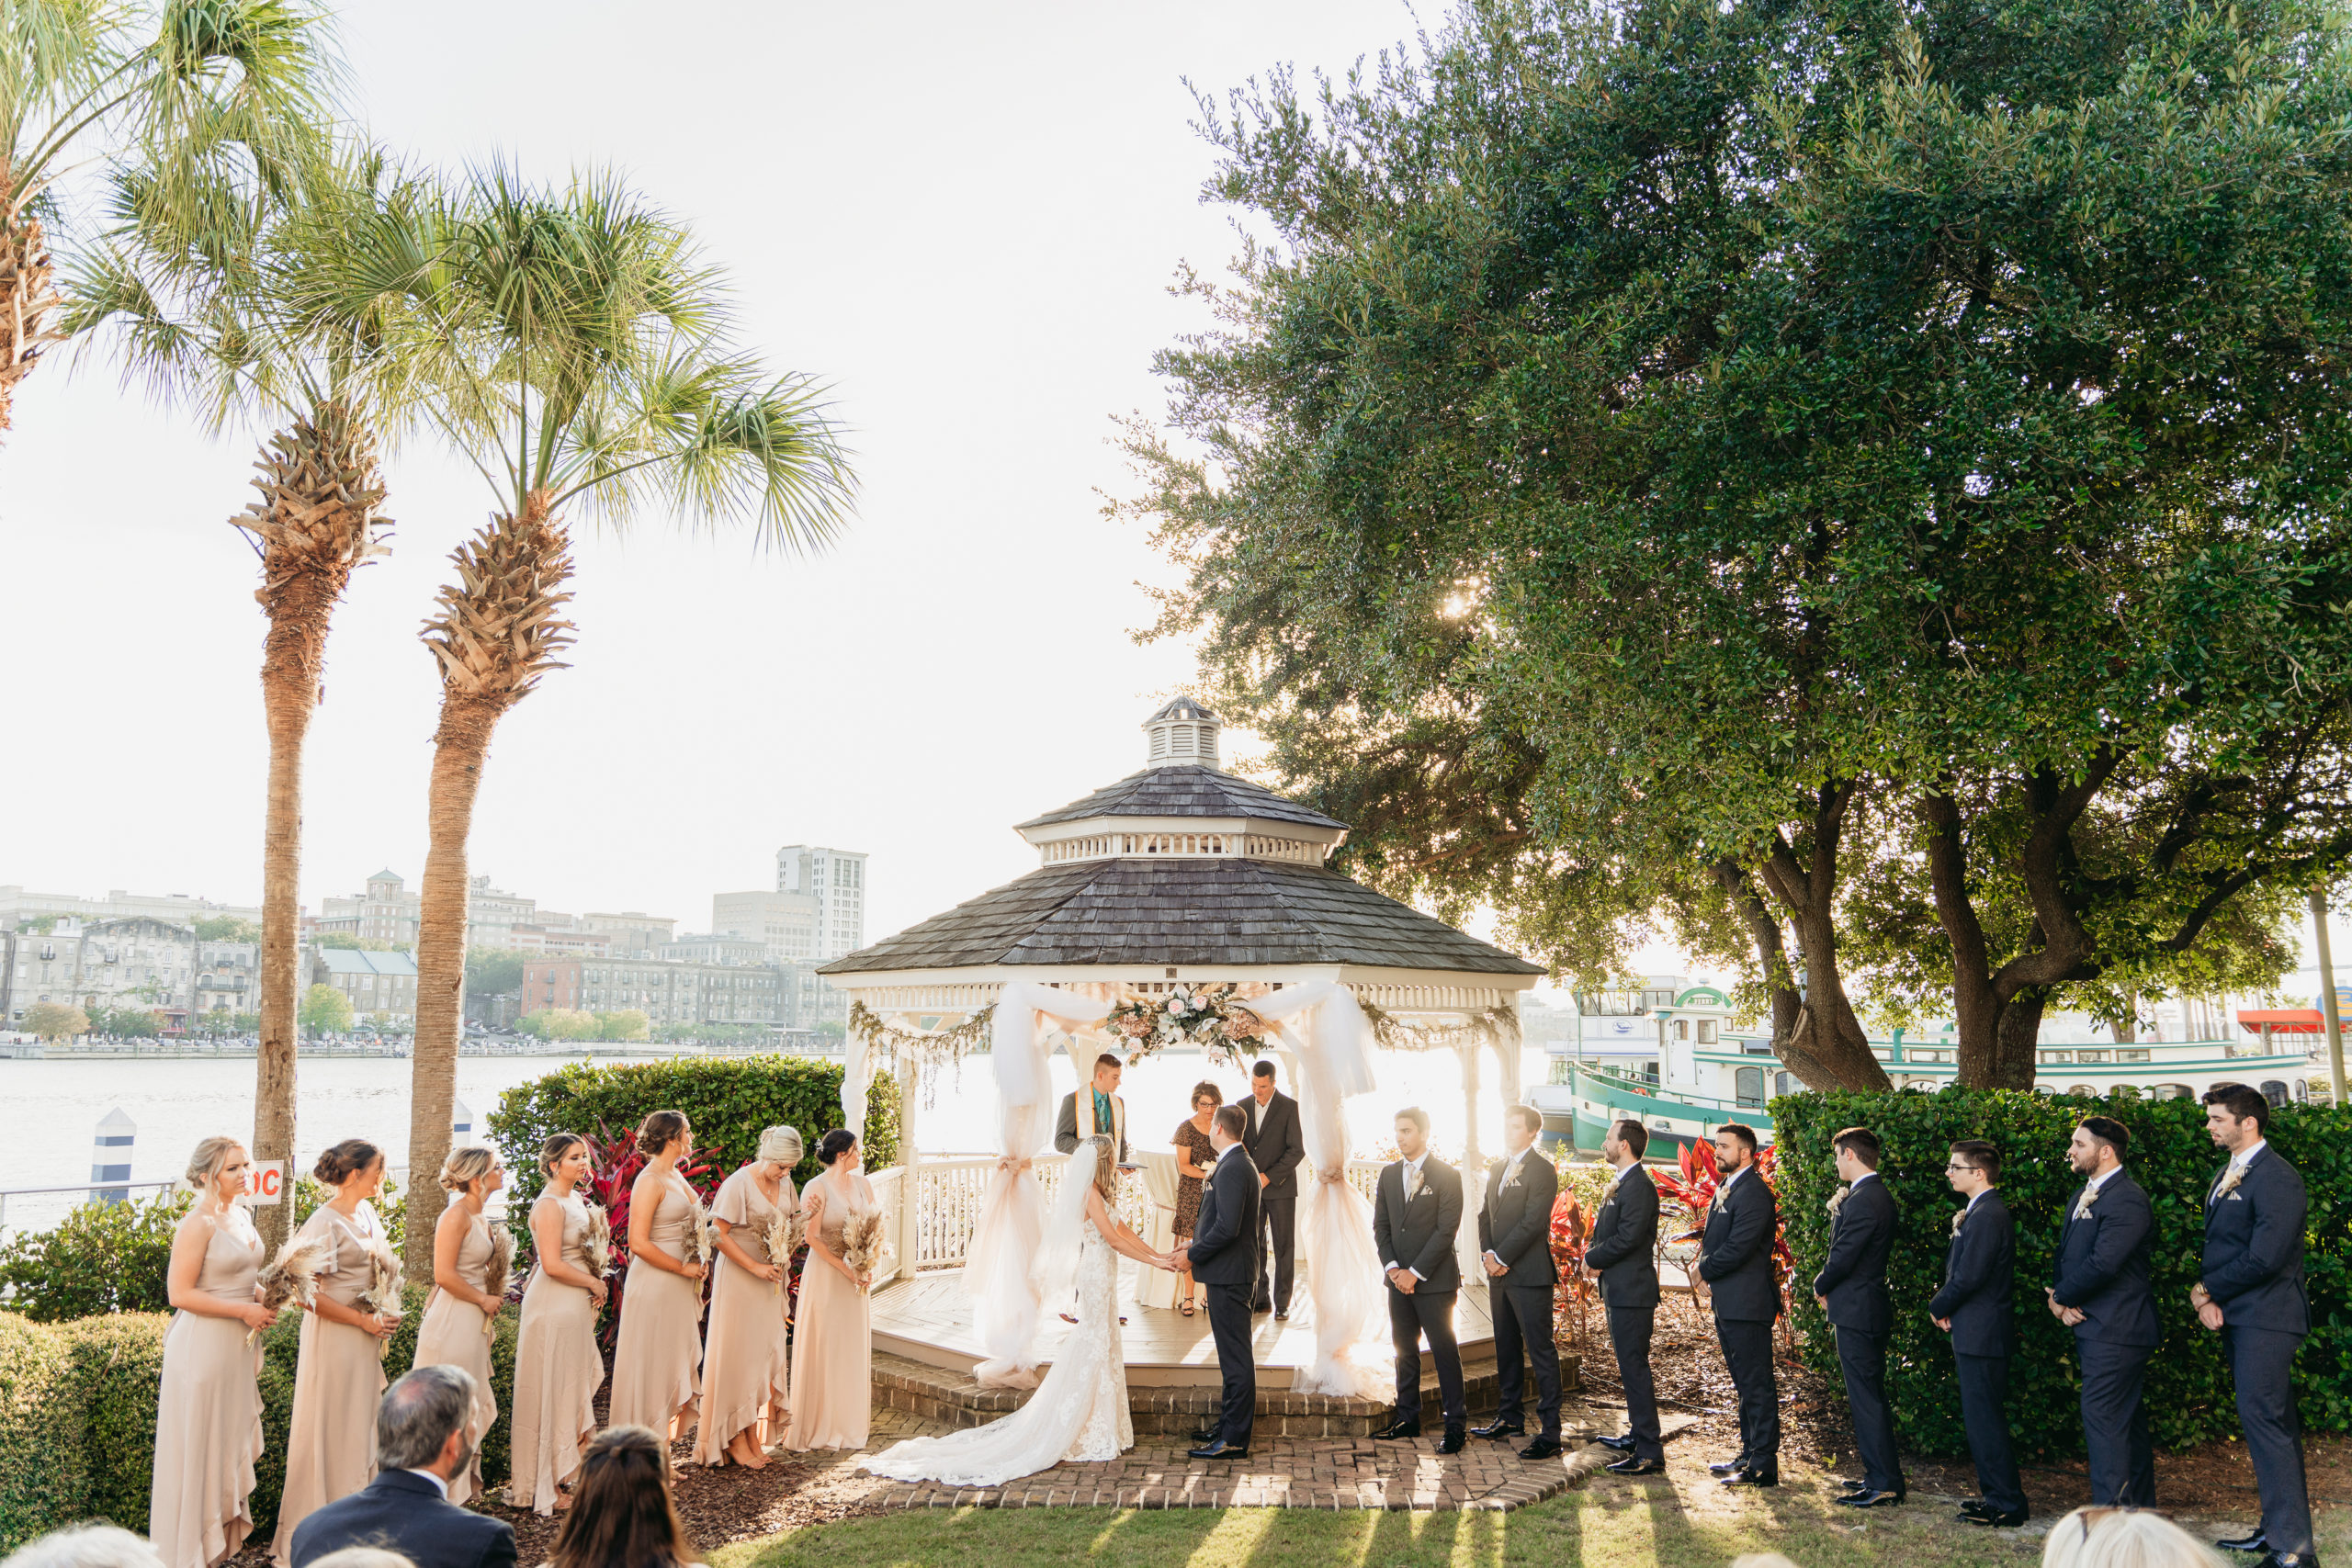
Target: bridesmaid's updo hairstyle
[467, 1163]
[555, 1148]
[834, 1144]
[655, 1132]
[210, 1156]
[346, 1160]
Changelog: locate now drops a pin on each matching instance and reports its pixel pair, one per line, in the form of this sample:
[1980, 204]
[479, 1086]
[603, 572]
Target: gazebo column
[910, 1228]
[1473, 1167]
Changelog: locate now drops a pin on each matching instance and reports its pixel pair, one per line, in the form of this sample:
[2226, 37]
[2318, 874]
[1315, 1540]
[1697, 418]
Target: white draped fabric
[1331, 1040]
[1000, 1269]
[854, 1075]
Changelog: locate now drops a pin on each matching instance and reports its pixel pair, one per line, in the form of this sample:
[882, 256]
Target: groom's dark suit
[1225, 1260]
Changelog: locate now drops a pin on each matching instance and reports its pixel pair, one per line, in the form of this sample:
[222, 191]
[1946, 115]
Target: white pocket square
[2235, 1198]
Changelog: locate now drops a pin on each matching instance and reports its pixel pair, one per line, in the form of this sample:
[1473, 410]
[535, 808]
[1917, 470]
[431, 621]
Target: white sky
[963, 217]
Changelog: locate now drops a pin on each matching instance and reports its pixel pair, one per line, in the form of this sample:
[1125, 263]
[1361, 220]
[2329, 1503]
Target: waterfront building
[139, 962]
[634, 933]
[19, 905]
[836, 880]
[228, 979]
[552, 983]
[386, 911]
[492, 913]
[375, 982]
[721, 947]
[784, 923]
[558, 939]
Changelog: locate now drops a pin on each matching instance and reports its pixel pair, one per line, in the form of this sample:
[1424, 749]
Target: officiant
[1094, 1108]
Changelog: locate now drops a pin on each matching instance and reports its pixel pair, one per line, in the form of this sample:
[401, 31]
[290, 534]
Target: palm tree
[176, 80]
[191, 295]
[577, 352]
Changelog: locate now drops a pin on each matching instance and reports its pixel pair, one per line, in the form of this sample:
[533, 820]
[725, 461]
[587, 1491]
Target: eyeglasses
[1955, 1165]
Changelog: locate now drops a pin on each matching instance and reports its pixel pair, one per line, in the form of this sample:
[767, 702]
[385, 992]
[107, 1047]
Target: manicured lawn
[1615, 1526]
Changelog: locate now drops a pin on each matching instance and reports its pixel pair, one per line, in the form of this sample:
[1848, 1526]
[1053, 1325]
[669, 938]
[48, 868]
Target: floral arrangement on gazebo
[1208, 1016]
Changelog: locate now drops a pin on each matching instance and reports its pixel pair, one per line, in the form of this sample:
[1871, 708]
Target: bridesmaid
[656, 1380]
[558, 1368]
[832, 1353]
[743, 1365]
[1195, 1157]
[331, 1446]
[455, 1330]
[207, 1425]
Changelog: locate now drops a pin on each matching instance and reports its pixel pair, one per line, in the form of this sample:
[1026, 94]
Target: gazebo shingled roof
[1190, 911]
[1185, 789]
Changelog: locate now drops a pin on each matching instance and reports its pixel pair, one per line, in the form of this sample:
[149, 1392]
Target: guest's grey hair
[418, 1415]
[85, 1546]
[366, 1557]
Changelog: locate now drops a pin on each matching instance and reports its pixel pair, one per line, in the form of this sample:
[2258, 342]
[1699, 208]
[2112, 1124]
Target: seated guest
[422, 1442]
[85, 1546]
[2122, 1538]
[622, 1516]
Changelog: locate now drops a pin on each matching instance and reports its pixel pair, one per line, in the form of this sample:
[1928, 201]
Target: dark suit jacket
[1277, 1146]
[2103, 1264]
[1066, 1124]
[2253, 1248]
[402, 1512]
[1854, 1276]
[1736, 1252]
[1623, 1248]
[1419, 1236]
[1516, 1223]
[1224, 1232]
[1980, 1274]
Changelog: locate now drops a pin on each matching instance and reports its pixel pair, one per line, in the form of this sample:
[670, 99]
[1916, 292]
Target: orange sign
[266, 1184]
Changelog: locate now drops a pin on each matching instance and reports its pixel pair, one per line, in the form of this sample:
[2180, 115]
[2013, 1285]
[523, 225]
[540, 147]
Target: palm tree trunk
[496, 633]
[316, 523]
[28, 303]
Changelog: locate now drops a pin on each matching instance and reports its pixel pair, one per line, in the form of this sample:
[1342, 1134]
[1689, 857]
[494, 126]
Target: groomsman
[1276, 1146]
[2101, 1293]
[1980, 1269]
[1851, 1287]
[1515, 1245]
[1415, 1218]
[2251, 1288]
[1622, 1253]
[1735, 1264]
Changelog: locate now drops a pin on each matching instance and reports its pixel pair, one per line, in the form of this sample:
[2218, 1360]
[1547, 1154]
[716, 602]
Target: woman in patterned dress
[1195, 1157]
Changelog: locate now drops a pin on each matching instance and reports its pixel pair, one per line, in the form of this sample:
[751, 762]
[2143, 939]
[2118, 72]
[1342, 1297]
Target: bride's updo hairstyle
[346, 1160]
[1106, 1166]
[834, 1144]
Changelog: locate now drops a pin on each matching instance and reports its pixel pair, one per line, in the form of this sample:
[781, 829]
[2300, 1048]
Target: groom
[1224, 1256]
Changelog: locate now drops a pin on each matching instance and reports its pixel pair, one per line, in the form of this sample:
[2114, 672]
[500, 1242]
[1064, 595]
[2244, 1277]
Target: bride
[1080, 1412]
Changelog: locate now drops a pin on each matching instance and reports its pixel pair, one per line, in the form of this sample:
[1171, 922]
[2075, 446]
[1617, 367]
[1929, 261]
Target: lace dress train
[1078, 1413]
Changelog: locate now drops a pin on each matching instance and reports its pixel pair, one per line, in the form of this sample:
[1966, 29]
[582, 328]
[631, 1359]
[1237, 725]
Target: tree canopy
[1861, 484]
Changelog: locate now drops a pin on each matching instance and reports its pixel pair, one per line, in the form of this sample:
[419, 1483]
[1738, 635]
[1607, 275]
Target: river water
[52, 1109]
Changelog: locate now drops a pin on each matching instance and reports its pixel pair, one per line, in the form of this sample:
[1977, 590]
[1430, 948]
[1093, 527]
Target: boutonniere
[2083, 1209]
[1609, 1193]
[1510, 1179]
[1956, 1219]
[2229, 1180]
[1838, 1199]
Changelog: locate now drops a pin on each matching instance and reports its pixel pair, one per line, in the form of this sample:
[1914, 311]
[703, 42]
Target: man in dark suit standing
[1980, 1270]
[419, 1444]
[1852, 1288]
[2101, 1293]
[2251, 1290]
[1276, 1146]
[1735, 1264]
[1515, 1246]
[1416, 1216]
[1622, 1253]
[1223, 1260]
[1094, 1108]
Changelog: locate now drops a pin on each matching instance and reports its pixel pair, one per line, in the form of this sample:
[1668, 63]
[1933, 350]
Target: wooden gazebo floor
[928, 1319]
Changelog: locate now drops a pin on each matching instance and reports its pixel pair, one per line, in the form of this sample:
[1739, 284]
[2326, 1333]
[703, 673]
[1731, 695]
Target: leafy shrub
[78, 1404]
[2188, 1390]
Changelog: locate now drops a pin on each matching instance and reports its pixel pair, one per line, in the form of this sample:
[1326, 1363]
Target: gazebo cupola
[1181, 806]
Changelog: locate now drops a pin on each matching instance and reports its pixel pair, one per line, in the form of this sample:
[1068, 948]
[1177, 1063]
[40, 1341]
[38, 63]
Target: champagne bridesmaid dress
[833, 1344]
[452, 1335]
[207, 1424]
[558, 1370]
[744, 1365]
[655, 1363]
[330, 1445]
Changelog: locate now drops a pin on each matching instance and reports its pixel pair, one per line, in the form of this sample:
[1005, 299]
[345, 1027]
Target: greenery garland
[929, 1048]
[1498, 1027]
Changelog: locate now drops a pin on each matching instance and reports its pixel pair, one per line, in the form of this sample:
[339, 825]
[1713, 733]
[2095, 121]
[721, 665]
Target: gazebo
[1179, 907]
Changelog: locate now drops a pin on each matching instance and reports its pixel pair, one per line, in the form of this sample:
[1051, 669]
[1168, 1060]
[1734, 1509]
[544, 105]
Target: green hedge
[2188, 1390]
[729, 1100]
[77, 1415]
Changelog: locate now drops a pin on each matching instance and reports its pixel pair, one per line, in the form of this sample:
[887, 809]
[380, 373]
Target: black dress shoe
[1755, 1475]
[1633, 1465]
[2258, 1541]
[1992, 1520]
[1453, 1441]
[1281, 1314]
[1405, 1426]
[1499, 1427]
[1207, 1434]
[1541, 1447]
[1624, 1445]
[1870, 1499]
[1218, 1450]
[1728, 1467]
[1850, 1487]
[2288, 1560]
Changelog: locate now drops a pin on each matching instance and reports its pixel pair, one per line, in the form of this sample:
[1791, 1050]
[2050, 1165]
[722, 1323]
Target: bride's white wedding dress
[1078, 1413]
